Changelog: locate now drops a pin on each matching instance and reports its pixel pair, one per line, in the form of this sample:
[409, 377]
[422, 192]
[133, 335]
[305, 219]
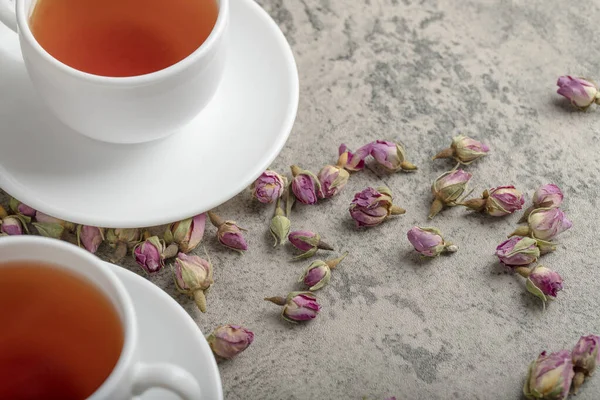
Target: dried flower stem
[280, 301]
[215, 219]
[435, 208]
[171, 251]
[397, 210]
[523, 271]
[521, 231]
[446, 153]
[200, 300]
[333, 263]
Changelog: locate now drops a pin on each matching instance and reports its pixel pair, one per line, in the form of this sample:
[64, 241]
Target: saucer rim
[169, 215]
[181, 314]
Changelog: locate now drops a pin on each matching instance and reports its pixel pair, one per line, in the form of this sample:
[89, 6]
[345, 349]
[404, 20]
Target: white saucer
[52, 168]
[168, 334]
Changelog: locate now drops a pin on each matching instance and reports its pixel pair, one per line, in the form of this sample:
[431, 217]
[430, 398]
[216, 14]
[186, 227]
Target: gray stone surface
[392, 324]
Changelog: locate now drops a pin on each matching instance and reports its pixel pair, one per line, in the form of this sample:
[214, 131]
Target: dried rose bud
[333, 178]
[391, 155]
[13, 225]
[3, 213]
[298, 306]
[580, 92]
[20, 208]
[497, 202]
[187, 234]
[51, 227]
[318, 273]
[193, 275]
[549, 377]
[90, 237]
[544, 224]
[149, 254]
[373, 206]
[280, 225]
[268, 187]
[229, 234]
[547, 196]
[542, 282]
[355, 161]
[585, 358]
[227, 341]
[306, 186]
[122, 239]
[447, 189]
[518, 251]
[429, 242]
[308, 242]
[464, 150]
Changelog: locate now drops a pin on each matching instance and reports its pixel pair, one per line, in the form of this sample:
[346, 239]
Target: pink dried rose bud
[20, 208]
[544, 224]
[13, 225]
[518, 251]
[51, 227]
[89, 237]
[297, 306]
[306, 186]
[547, 196]
[585, 358]
[464, 150]
[229, 234]
[227, 341]
[193, 275]
[308, 242]
[151, 253]
[373, 206]
[187, 234]
[355, 161]
[391, 155]
[549, 377]
[429, 242]
[542, 282]
[448, 189]
[497, 202]
[580, 92]
[333, 178]
[318, 273]
[268, 187]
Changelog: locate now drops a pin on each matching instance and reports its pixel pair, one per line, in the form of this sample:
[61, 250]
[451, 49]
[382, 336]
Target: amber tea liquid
[60, 337]
[121, 38]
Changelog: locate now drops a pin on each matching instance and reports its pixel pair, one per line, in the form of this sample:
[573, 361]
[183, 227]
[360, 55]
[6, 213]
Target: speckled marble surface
[392, 324]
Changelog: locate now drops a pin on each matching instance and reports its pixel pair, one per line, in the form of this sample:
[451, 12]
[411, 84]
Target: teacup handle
[166, 376]
[7, 14]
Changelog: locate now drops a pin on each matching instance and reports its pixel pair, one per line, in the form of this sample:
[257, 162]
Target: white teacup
[129, 377]
[122, 109]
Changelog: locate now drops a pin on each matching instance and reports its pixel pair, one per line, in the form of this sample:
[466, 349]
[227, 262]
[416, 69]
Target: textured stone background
[455, 327]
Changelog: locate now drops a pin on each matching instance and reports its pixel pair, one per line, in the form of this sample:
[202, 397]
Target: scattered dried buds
[51, 227]
[12, 225]
[547, 196]
[20, 208]
[121, 240]
[305, 185]
[269, 187]
[544, 224]
[518, 251]
[429, 242]
[333, 178]
[464, 150]
[280, 225]
[580, 92]
[229, 234]
[497, 202]
[318, 273]
[308, 242]
[193, 275]
[447, 190]
[227, 341]
[89, 237]
[297, 306]
[373, 206]
[391, 156]
[542, 282]
[151, 253]
[187, 234]
[585, 359]
[549, 376]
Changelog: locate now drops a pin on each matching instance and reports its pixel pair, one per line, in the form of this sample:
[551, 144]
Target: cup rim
[174, 69]
[122, 298]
